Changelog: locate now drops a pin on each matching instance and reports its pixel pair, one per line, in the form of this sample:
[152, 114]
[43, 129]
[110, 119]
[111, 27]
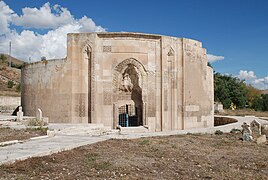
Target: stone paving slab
[224, 128]
[42, 147]
[7, 118]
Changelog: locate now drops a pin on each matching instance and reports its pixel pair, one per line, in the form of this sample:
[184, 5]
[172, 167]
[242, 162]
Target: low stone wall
[8, 104]
[9, 101]
[219, 121]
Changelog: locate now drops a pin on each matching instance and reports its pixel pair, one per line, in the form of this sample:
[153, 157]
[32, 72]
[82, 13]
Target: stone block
[39, 115]
[261, 139]
[20, 114]
[192, 108]
[51, 133]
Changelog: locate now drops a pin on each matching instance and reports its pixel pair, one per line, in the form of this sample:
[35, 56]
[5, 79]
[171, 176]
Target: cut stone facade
[160, 82]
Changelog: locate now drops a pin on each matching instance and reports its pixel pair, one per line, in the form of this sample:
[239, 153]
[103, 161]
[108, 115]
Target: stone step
[129, 130]
[82, 129]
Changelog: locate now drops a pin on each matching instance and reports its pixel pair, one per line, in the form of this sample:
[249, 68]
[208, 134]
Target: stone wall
[8, 104]
[198, 86]
[9, 101]
[172, 86]
[47, 85]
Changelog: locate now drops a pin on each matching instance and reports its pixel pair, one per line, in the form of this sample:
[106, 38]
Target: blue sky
[236, 30]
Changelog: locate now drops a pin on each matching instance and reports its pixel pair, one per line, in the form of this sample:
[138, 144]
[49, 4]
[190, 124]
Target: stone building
[126, 79]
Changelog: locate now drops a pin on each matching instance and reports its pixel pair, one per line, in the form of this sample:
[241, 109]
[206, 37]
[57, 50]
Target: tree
[252, 95]
[3, 59]
[261, 103]
[228, 90]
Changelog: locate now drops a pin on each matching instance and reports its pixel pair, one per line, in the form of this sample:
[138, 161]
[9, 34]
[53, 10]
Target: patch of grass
[42, 129]
[5, 128]
[218, 132]
[228, 142]
[103, 165]
[18, 87]
[93, 161]
[154, 149]
[91, 158]
[144, 142]
[234, 130]
[195, 134]
[35, 122]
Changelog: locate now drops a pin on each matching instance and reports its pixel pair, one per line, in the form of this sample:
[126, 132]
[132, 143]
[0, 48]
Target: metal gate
[127, 116]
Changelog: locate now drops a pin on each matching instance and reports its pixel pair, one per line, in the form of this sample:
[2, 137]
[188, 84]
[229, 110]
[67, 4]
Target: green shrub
[10, 84]
[234, 130]
[18, 87]
[218, 132]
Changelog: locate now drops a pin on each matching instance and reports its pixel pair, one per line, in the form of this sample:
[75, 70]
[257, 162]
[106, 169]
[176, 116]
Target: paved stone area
[46, 146]
[223, 128]
[61, 142]
[7, 118]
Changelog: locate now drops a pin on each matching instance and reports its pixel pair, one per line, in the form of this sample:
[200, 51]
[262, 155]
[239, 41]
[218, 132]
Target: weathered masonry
[127, 79]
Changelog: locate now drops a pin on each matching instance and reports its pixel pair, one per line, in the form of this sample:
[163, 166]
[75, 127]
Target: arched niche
[87, 61]
[137, 92]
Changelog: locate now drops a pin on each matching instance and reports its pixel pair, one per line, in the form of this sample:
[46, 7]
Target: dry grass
[243, 112]
[192, 156]
[8, 134]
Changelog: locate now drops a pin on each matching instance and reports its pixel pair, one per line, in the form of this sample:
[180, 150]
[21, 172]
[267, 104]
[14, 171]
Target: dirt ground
[8, 134]
[192, 156]
[243, 112]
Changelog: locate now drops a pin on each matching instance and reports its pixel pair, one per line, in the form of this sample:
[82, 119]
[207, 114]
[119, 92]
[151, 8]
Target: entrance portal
[130, 91]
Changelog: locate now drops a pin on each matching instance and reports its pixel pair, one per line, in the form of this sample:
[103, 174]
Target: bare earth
[173, 157]
[8, 134]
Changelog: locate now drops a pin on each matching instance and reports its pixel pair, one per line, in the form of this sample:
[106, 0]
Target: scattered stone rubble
[253, 132]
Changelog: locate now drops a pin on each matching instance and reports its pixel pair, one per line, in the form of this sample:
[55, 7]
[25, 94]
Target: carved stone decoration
[88, 56]
[130, 82]
[107, 48]
[132, 64]
[80, 105]
[120, 67]
[60, 66]
[86, 43]
[107, 97]
[171, 52]
[126, 84]
[88, 51]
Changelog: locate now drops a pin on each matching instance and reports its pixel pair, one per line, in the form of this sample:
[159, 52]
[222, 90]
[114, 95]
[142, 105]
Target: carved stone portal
[129, 85]
[126, 84]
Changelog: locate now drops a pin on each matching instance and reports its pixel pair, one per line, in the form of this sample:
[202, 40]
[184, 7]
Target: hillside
[264, 91]
[7, 76]
[13, 60]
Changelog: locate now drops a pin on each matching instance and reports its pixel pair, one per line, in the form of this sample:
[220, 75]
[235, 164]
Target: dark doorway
[128, 116]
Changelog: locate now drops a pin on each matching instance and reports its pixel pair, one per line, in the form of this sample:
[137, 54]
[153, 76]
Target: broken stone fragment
[246, 132]
[261, 139]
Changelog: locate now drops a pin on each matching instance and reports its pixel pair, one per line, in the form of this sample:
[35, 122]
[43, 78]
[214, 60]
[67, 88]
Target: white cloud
[251, 78]
[212, 58]
[246, 75]
[5, 17]
[44, 17]
[29, 43]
